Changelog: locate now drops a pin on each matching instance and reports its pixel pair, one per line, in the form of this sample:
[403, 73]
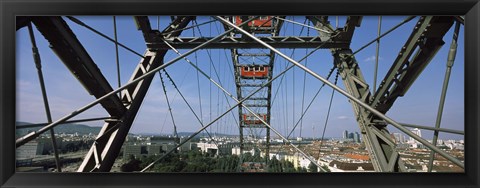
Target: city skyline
[336, 155]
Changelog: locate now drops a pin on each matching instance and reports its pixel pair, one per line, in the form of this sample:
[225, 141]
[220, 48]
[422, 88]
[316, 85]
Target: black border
[10, 8]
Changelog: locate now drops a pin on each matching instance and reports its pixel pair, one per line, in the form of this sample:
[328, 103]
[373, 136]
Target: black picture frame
[9, 9]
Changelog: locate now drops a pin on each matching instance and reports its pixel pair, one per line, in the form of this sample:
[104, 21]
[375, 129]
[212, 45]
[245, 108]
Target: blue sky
[66, 94]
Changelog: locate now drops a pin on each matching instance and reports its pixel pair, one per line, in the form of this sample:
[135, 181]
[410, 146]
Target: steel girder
[425, 41]
[253, 102]
[343, 35]
[231, 42]
[380, 145]
[67, 47]
[348, 95]
[108, 143]
[260, 103]
[265, 103]
[427, 37]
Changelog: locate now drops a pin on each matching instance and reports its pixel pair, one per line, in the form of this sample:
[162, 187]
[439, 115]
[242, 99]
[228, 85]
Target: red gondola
[254, 71]
[250, 119]
[262, 21]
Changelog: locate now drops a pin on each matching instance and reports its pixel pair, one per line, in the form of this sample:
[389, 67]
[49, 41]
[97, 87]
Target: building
[345, 134]
[399, 138]
[132, 150]
[357, 158]
[356, 137]
[29, 150]
[48, 146]
[226, 148]
[252, 151]
[457, 146]
[155, 149]
[30, 169]
[208, 148]
[338, 166]
[417, 132]
[158, 140]
[187, 146]
[279, 156]
[297, 159]
[145, 150]
[353, 136]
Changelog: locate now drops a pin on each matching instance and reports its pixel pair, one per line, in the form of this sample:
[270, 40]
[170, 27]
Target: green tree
[325, 167]
[288, 166]
[274, 165]
[191, 168]
[312, 167]
[301, 169]
[131, 165]
[178, 166]
[147, 160]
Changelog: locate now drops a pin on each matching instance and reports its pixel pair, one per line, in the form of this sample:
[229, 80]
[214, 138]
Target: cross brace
[230, 42]
[108, 143]
[241, 87]
[380, 146]
[427, 37]
[414, 56]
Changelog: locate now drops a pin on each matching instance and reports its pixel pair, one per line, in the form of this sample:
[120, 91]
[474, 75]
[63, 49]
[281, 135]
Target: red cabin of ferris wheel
[250, 119]
[262, 21]
[254, 71]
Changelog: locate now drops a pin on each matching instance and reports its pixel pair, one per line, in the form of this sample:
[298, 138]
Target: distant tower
[399, 138]
[356, 137]
[417, 132]
[345, 134]
[350, 136]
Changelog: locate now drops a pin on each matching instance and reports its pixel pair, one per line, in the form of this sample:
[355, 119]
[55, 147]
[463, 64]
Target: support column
[108, 143]
[376, 137]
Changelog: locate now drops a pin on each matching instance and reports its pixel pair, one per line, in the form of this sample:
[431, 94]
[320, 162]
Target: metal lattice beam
[106, 147]
[426, 36]
[262, 103]
[230, 42]
[418, 51]
[380, 146]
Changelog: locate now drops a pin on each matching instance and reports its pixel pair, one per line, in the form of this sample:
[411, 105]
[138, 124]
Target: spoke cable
[38, 64]
[188, 104]
[378, 38]
[304, 84]
[218, 77]
[377, 55]
[308, 106]
[77, 21]
[239, 103]
[32, 135]
[327, 117]
[198, 82]
[169, 109]
[117, 60]
[192, 26]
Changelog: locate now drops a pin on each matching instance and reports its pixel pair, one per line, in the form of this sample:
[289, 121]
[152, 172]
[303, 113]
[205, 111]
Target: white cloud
[342, 117]
[372, 59]
[23, 84]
